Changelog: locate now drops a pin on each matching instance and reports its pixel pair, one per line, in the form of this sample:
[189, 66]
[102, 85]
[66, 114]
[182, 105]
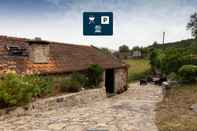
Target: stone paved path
[130, 111]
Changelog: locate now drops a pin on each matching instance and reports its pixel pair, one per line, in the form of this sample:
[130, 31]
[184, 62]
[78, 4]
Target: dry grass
[138, 68]
[174, 113]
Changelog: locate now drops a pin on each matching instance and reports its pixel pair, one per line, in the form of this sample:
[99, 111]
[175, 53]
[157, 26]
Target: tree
[124, 48]
[106, 50]
[192, 25]
[136, 48]
[155, 43]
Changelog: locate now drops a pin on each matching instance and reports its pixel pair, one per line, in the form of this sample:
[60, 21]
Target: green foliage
[124, 48]
[188, 73]
[169, 60]
[156, 57]
[71, 85]
[94, 75]
[173, 60]
[82, 79]
[193, 24]
[106, 51]
[172, 76]
[183, 44]
[18, 90]
[74, 83]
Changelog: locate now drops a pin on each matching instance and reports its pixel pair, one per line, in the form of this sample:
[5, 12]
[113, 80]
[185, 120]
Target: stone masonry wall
[120, 82]
[53, 103]
[39, 53]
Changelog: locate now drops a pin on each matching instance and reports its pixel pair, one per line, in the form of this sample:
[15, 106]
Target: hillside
[190, 44]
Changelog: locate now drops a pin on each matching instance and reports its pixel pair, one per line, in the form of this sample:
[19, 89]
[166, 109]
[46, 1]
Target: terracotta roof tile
[63, 57]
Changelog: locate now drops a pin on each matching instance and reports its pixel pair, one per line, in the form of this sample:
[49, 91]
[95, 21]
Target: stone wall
[102, 83]
[68, 100]
[120, 83]
[39, 53]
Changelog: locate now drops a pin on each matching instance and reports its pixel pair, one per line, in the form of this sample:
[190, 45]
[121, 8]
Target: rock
[165, 84]
[39, 130]
[74, 128]
[194, 107]
[19, 111]
[56, 126]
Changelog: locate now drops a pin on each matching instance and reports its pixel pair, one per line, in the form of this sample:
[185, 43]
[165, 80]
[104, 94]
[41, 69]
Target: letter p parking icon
[104, 19]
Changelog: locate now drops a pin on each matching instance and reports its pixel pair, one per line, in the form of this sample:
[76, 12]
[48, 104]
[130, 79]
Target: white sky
[135, 23]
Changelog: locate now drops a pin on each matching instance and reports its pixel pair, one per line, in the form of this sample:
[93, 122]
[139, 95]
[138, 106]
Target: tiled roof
[63, 58]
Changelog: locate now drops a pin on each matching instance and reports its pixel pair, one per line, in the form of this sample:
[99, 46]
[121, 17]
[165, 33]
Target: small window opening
[16, 51]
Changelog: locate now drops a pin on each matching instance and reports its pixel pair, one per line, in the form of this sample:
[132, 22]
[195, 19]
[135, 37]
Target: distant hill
[190, 44]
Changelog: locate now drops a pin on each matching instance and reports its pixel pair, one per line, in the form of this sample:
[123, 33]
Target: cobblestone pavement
[130, 111]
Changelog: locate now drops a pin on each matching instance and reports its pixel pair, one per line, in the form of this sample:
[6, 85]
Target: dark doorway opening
[109, 80]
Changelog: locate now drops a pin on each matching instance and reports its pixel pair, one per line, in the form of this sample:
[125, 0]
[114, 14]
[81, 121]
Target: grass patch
[174, 113]
[138, 69]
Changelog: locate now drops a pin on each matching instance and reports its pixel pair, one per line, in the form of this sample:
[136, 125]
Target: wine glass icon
[91, 19]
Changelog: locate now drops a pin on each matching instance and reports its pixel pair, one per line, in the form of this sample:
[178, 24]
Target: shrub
[19, 90]
[82, 79]
[94, 75]
[71, 85]
[169, 60]
[173, 60]
[74, 83]
[187, 73]
[156, 57]
[41, 85]
[172, 76]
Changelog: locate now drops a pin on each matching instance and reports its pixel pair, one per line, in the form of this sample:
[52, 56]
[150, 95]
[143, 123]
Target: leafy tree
[174, 59]
[192, 25]
[155, 43]
[170, 60]
[156, 57]
[136, 48]
[145, 51]
[105, 50]
[124, 48]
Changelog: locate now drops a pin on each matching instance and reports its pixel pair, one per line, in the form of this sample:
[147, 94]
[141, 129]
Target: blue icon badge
[98, 23]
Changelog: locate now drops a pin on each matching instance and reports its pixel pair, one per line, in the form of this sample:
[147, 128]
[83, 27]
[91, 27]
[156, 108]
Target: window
[16, 51]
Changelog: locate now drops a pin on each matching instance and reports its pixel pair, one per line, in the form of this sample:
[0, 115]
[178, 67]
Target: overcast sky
[136, 22]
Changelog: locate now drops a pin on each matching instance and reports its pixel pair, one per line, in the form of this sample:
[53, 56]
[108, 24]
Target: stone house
[122, 55]
[137, 54]
[26, 56]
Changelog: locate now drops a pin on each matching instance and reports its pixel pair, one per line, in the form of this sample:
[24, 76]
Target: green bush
[187, 73]
[172, 76]
[82, 79]
[173, 60]
[74, 83]
[71, 85]
[41, 85]
[156, 57]
[94, 75]
[169, 60]
[18, 90]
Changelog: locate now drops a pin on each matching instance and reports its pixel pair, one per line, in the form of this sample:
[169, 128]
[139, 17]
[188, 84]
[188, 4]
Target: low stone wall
[51, 103]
